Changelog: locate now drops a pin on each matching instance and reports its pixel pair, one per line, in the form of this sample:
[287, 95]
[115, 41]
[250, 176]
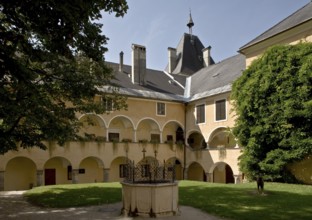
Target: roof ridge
[129, 65]
[255, 41]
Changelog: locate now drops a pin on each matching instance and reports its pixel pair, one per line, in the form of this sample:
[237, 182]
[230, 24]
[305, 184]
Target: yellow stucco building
[181, 115]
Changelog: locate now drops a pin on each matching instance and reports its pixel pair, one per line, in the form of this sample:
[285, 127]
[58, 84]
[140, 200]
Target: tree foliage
[51, 66]
[273, 102]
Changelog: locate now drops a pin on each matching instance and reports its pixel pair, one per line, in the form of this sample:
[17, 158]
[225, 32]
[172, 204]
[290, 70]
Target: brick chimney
[172, 59]
[138, 64]
[206, 56]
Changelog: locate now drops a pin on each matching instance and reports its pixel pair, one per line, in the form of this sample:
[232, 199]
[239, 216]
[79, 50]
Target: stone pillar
[106, 175]
[209, 177]
[237, 178]
[75, 173]
[39, 177]
[2, 180]
[185, 173]
[134, 136]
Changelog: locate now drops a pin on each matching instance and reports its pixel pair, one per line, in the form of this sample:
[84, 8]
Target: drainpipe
[184, 149]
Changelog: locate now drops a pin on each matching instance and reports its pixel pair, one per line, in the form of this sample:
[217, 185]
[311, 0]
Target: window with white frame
[220, 107]
[200, 114]
[108, 104]
[161, 108]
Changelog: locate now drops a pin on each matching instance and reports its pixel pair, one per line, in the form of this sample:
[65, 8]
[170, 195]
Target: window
[113, 137]
[161, 108]
[169, 138]
[69, 172]
[220, 110]
[200, 114]
[81, 171]
[108, 104]
[123, 173]
[155, 138]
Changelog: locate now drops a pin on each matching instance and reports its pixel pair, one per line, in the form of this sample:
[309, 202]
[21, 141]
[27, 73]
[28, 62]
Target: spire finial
[190, 24]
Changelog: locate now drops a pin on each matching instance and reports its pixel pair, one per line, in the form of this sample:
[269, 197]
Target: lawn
[240, 201]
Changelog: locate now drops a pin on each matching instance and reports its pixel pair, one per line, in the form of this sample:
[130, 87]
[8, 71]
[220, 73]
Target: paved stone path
[14, 206]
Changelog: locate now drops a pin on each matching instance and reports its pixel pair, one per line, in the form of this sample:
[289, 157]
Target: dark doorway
[49, 177]
[229, 178]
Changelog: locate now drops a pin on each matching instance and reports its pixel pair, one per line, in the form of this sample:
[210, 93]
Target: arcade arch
[196, 172]
[196, 140]
[117, 169]
[221, 137]
[222, 173]
[173, 131]
[91, 170]
[120, 128]
[92, 126]
[20, 174]
[178, 167]
[58, 170]
[149, 129]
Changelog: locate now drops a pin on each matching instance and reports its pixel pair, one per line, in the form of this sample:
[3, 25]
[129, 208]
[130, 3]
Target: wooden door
[49, 177]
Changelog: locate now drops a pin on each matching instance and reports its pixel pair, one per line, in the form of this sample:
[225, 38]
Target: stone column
[185, 174]
[209, 177]
[75, 173]
[2, 180]
[106, 175]
[134, 136]
[39, 177]
[237, 178]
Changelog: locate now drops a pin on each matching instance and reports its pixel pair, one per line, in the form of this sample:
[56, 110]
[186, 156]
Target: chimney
[172, 56]
[206, 56]
[138, 64]
[121, 61]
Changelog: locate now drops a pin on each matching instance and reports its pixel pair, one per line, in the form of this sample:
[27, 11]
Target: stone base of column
[1, 180]
[106, 175]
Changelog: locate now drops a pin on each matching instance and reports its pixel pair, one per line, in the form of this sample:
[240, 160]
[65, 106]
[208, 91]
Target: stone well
[150, 190]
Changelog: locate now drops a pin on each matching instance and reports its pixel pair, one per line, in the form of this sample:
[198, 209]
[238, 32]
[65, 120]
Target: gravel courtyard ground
[14, 206]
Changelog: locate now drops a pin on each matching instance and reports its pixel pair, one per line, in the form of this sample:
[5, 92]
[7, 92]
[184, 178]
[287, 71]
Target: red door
[49, 177]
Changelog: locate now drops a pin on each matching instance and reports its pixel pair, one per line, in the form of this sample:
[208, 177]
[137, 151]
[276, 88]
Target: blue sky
[225, 25]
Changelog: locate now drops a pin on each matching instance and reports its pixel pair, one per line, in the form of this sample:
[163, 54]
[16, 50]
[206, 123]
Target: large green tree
[51, 66]
[273, 102]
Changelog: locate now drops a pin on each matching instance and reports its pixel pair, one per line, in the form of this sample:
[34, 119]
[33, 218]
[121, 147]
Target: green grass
[74, 195]
[241, 201]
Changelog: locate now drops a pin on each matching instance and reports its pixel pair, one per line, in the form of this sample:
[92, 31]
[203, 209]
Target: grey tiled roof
[302, 15]
[189, 56]
[216, 78]
[144, 94]
[156, 81]
[208, 81]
